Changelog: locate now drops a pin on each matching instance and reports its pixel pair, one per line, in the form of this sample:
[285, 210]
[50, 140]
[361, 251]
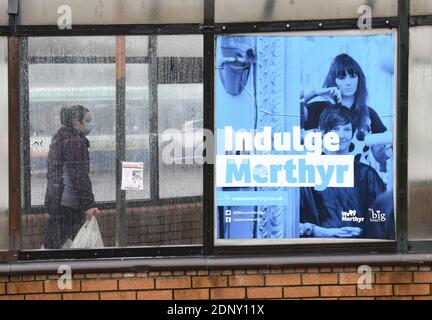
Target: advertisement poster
[132, 176]
[305, 136]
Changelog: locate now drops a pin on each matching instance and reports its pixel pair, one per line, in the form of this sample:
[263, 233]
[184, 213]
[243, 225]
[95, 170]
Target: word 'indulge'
[314, 142]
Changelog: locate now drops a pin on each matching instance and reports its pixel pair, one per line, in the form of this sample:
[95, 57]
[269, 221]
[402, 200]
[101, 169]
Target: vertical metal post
[154, 118]
[25, 124]
[402, 128]
[208, 179]
[121, 219]
[14, 145]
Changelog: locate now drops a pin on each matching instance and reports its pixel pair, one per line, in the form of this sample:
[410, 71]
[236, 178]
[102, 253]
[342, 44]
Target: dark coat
[69, 147]
[324, 208]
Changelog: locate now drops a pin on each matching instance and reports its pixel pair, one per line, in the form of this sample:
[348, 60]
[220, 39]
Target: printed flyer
[132, 176]
[304, 132]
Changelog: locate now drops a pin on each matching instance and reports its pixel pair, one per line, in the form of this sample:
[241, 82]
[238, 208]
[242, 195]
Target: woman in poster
[345, 85]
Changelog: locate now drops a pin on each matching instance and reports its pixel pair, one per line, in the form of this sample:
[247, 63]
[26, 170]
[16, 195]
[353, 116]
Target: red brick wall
[412, 282]
[179, 224]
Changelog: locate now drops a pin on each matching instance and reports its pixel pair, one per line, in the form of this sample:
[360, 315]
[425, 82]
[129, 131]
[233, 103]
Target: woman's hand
[344, 232]
[331, 94]
[92, 212]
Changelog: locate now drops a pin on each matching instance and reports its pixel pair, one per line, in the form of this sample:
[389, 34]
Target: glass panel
[4, 146]
[421, 7]
[95, 47]
[71, 47]
[55, 80]
[180, 108]
[279, 10]
[420, 134]
[136, 46]
[82, 70]
[45, 12]
[4, 17]
[137, 122]
[168, 46]
[180, 111]
[55, 85]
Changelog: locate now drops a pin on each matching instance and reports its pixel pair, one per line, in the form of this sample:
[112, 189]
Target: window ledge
[181, 263]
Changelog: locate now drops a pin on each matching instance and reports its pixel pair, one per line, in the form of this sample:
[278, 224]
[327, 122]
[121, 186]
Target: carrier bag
[88, 236]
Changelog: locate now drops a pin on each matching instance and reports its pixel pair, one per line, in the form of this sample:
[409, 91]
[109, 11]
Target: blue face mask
[87, 128]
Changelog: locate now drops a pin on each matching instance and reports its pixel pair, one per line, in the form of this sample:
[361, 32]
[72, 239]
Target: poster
[132, 176]
[305, 136]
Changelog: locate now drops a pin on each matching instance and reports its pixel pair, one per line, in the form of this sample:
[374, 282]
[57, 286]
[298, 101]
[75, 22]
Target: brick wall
[389, 282]
[179, 224]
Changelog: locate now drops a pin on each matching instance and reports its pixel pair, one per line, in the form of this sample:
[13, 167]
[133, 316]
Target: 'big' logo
[377, 216]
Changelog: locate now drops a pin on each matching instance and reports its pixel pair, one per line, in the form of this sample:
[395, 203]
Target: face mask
[87, 128]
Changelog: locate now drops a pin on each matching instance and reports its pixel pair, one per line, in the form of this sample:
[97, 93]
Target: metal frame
[321, 25]
[153, 117]
[155, 78]
[14, 145]
[308, 249]
[402, 128]
[213, 263]
[120, 132]
[420, 21]
[301, 25]
[419, 246]
[25, 113]
[162, 251]
[110, 30]
[209, 29]
[208, 180]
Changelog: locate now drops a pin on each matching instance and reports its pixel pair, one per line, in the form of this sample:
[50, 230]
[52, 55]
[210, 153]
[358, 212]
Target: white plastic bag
[88, 236]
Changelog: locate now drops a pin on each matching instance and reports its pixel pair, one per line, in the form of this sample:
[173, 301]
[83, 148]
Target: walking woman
[69, 197]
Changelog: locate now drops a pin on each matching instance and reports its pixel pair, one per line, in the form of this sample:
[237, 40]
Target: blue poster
[304, 136]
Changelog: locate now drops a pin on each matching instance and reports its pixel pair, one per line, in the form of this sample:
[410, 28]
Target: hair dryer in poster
[304, 130]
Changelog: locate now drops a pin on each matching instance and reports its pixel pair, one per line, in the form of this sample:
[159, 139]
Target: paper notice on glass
[132, 176]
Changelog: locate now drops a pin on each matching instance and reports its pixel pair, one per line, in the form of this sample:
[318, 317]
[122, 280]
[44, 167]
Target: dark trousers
[64, 223]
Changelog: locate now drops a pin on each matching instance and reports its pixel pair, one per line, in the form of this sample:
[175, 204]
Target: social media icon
[228, 212]
[228, 220]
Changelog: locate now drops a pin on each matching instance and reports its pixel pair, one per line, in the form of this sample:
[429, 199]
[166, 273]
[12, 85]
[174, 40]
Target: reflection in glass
[280, 10]
[137, 124]
[4, 146]
[420, 7]
[180, 108]
[44, 12]
[173, 215]
[420, 134]
[4, 17]
[53, 86]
